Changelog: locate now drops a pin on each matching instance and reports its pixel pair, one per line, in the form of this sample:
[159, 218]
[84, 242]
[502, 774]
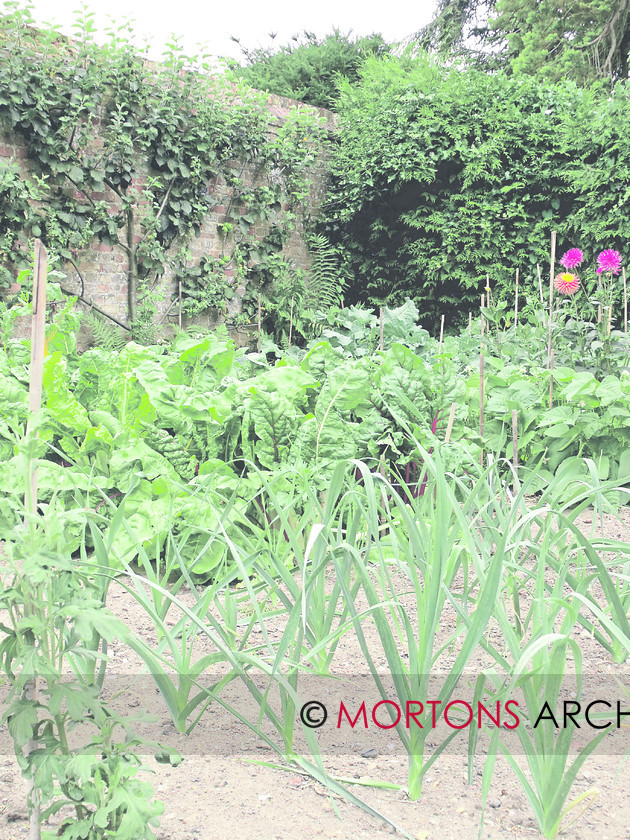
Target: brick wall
[103, 268]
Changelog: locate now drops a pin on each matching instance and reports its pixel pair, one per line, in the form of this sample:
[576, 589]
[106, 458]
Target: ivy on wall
[135, 155]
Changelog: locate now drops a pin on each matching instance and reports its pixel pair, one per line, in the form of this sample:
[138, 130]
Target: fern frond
[104, 333]
[325, 287]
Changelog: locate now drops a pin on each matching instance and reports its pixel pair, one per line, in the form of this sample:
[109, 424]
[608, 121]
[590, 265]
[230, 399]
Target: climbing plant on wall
[134, 154]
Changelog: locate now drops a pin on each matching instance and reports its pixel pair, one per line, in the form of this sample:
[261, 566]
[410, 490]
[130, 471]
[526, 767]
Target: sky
[211, 22]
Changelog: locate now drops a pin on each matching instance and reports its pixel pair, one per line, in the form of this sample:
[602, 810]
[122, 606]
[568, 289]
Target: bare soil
[219, 793]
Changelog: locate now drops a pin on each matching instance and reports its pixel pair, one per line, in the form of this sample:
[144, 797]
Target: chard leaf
[60, 402]
[276, 421]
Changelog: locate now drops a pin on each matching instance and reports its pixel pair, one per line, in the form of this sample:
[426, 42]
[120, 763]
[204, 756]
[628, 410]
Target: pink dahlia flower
[572, 258]
[566, 283]
[609, 261]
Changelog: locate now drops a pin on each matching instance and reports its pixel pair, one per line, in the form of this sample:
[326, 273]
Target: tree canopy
[308, 69]
[460, 28]
[583, 40]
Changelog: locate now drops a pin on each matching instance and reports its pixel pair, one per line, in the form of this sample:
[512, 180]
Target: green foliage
[129, 154]
[461, 28]
[308, 69]
[206, 285]
[587, 42]
[283, 302]
[168, 446]
[16, 196]
[443, 177]
[103, 333]
[324, 284]
[293, 300]
[80, 755]
[152, 423]
[462, 547]
[200, 460]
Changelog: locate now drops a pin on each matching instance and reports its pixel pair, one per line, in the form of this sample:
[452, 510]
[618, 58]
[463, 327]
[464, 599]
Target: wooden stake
[481, 383]
[550, 354]
[516, 302]
[451, 420]
[291, 321]
[625, 301]
[441, 336]
[515, 450]
[609, 320]
[38, 343]
[552, 270]
[380, 315]
[179, 311]
[259, 319]
[599, 314]
[38, 340]
[470, 323]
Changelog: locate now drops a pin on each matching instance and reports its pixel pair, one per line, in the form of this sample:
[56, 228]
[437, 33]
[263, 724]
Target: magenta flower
[609, 261]
[572, 258]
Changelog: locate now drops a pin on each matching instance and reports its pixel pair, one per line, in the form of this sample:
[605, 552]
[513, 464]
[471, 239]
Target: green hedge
[443, 176]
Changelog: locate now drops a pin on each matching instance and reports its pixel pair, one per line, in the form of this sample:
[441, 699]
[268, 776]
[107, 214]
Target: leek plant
[320, 564]
[538, 641]
[273, 614]
[431, 542]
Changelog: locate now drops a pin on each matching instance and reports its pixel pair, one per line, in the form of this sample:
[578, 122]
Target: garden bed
[226, 793]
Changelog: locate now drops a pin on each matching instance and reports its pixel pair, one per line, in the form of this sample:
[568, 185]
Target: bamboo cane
[609, 328]
[470, 323]
[38, 325]
[259, 319]
[516, 302]
[515, 450]
[481, 382]
[382, 328]
[38, 341]
[179, 310]
[625, 301]
[441, 336]
[550, 348]
[451, 420]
